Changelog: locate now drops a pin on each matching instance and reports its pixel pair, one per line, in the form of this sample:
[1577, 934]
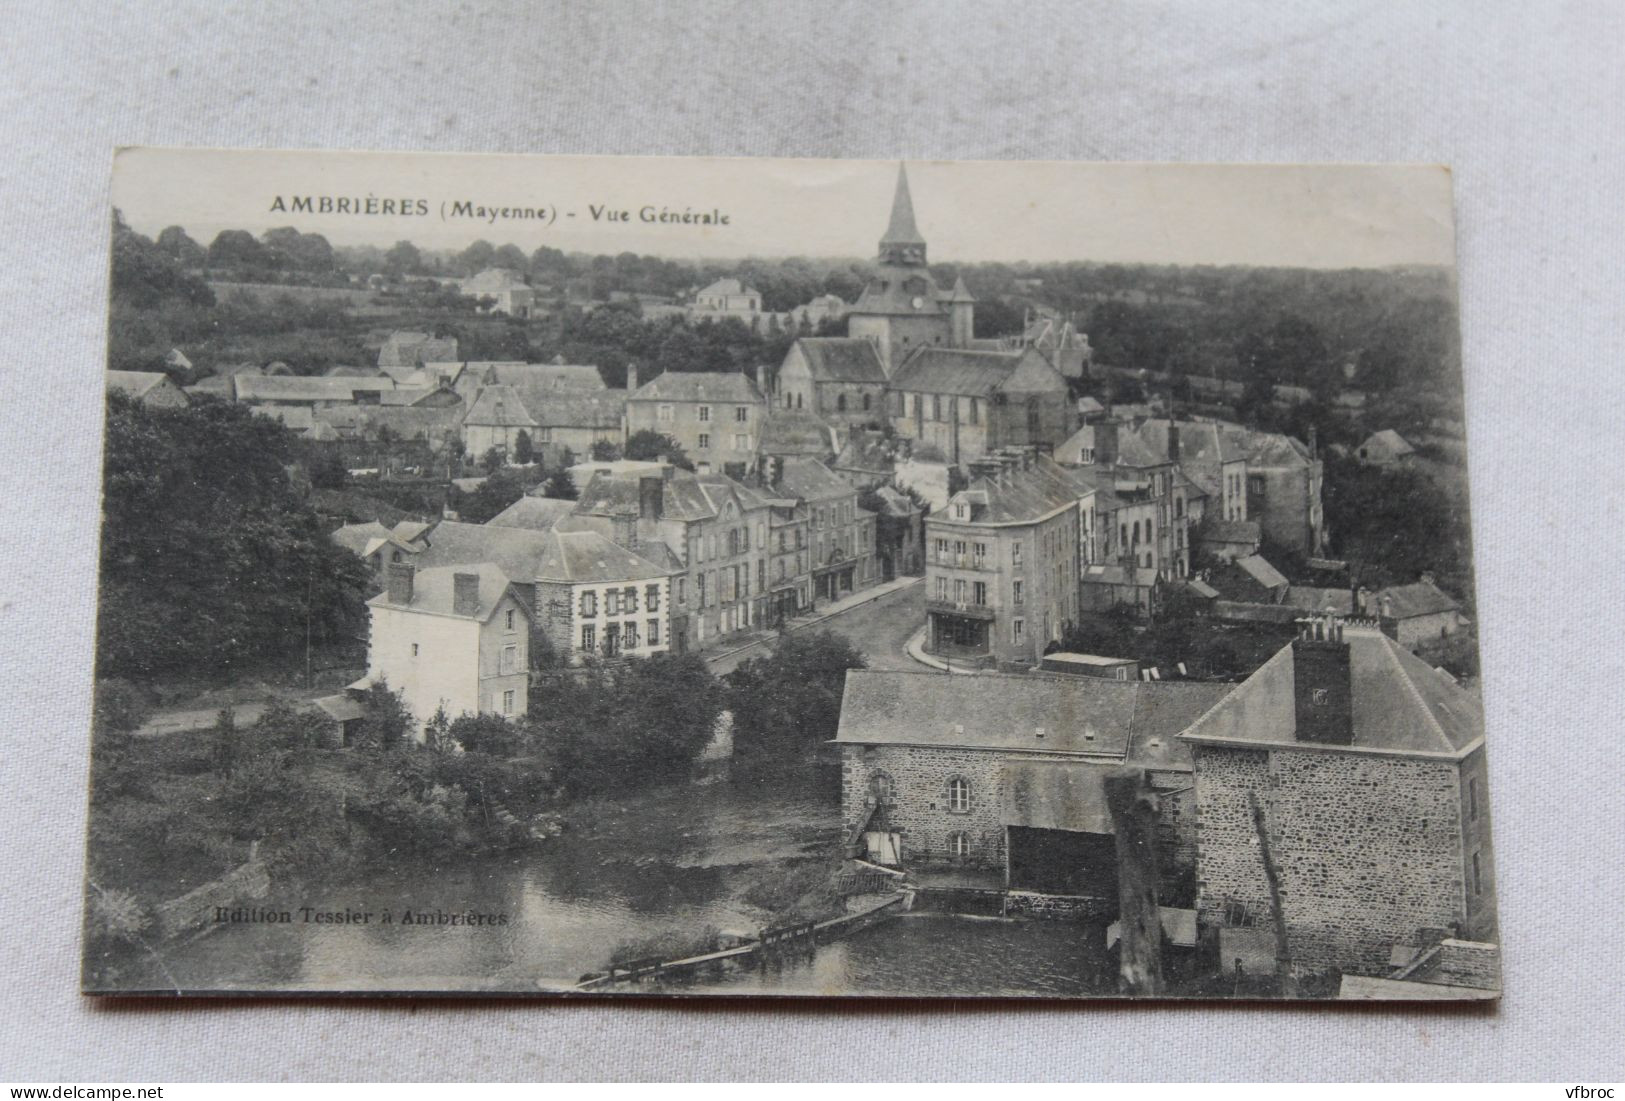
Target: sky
[1321, 216]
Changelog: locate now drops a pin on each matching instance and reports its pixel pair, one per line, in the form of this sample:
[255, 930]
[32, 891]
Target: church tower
[902, 309]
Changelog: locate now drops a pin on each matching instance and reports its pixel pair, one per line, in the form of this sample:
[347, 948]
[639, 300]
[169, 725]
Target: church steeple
[902, 243]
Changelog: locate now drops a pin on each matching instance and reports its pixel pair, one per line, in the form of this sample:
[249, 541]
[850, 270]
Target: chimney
[652, 495]
[1106, 443]
[399, 582]
[1426, 578]
[761, 379]
[631, 377]
[465, 594]
[1173, 440]
[1314, 445]
[1322, 690]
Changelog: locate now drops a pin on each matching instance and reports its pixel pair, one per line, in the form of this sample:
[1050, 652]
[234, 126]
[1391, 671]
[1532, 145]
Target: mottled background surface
[1524, 100]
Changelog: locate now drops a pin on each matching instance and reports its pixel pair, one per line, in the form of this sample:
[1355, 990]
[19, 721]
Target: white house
[453, 637]
[598, 598]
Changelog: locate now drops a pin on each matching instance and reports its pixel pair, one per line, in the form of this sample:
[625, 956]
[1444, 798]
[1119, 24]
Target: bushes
[790, 701]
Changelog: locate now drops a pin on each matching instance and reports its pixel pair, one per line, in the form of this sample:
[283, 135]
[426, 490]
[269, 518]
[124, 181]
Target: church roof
[932, 370]
[842, 359]
[960, 293]
[901, 230]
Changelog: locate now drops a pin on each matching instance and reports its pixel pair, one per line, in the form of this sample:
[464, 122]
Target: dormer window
[959, 511]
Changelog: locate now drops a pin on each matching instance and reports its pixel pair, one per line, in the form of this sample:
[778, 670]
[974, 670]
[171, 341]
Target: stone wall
[195, 909]
[1368, 849]
[1035, 904]
[1465, 963]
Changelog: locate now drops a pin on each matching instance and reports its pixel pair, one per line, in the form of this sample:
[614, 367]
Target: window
[840, 403]
[631, 636]
[630, 596]
[942, 594]
[682, 591]
[936, 407]
[959, 511]
[1015, 553]
[705, 413]
[612, 602]
[589, 604]
[741, 441]
[664, 413]
[959, 844]
[589, 638]
[612, 639]
[654, 632]
[866, 403]
[979, 592]
[1478, 876]
[509, 659]
[881, 789]
[975, 411]
[507, 702]
[651, 598]
[959, 795]
[741, 413]
[711, 546]
[509, 619]
[979, 554]
[959, 590]
[414, 649]
[1015, 591]
[705, 441]
[1018, 630]
[1472, 799]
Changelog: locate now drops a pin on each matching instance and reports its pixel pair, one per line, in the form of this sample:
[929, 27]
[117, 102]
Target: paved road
[879, 628]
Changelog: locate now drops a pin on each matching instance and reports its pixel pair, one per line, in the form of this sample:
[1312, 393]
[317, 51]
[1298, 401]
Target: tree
[403, 259]
[175, 243]
[791, 699]
[605, 451]
[524, 452]
[495, 493]
[489, 734]
[328, 471]
[210, 557]
[237, 248]
[476, 257]
[437, 732]
[492, 460]
[560, 486]
[385, 719]
[647, 445]
[510, 257]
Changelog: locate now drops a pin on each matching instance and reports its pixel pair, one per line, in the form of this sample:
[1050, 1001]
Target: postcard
[685, 576]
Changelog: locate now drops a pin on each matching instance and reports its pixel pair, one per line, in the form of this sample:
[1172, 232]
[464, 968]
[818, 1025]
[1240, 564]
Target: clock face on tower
[919, 303]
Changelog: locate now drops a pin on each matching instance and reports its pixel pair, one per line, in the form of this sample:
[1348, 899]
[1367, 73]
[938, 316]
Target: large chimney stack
[1322, 687]
[631, 376]
[399, 582]
[1173, 438]
[1106, 443]
[651, 496]
[465, 594]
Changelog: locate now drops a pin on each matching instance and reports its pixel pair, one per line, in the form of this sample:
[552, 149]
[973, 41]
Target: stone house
[1284, 480]
[1002, 561]
[711, 526]
[381, 547]
[150, 388]
[410, 349]
[840, 533]
[1367, 767]
[313, 392]
[455, 637]
[715, 416]
[596, 598]
[509, 294]
[1001, 776]
[968, 403]
[841, 379]
[726, 298]
[495, 420]
[1418, 613]
[1386, 448]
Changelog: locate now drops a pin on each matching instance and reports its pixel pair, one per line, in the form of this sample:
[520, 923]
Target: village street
[880, 626]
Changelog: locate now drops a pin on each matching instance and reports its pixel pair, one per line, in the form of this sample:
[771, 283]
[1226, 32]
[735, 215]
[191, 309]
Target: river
[670, 860]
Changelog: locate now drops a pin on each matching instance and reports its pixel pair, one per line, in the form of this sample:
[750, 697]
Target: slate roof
[406, 421]
[1230, 531]
[933, 370]
[1400, 705]
[1308, 598]
[403, 348]
[726, 286]
[579, 410]
[252, 388]
[517, 552]
[340, 708]
[900, 228]
[1387, 444]
[1025, 495]
[494, 279]
[1259, 569]
[586, 556]
[433, 590]
[533, 513]
[1416, 599]
[842, 359]
[1199, 441]
[526, 377]
[134, 383]
[1082, 716]
[1104, 573]
[356, 538]
[683, 498]
[811, 480]
[499, 406]
[1055, 795]
[794, 432]
[718, 386]
[1272, 449]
